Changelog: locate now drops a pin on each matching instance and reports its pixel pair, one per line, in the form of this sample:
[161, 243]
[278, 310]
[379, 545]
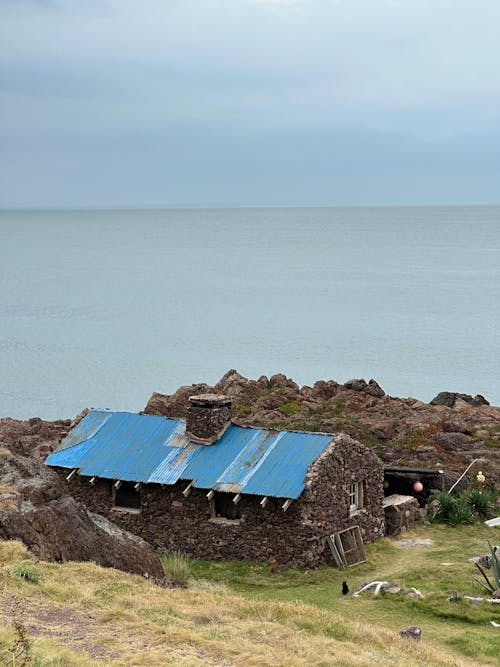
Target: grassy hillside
[241, 614]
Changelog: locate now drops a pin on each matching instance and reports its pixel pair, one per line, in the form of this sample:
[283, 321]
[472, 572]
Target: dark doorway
[224, 506]
[127, 496]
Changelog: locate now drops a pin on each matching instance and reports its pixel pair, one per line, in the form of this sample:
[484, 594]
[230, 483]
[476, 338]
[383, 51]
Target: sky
[119, 103]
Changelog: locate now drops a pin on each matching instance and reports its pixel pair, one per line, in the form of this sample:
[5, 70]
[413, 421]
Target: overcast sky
[249, 102]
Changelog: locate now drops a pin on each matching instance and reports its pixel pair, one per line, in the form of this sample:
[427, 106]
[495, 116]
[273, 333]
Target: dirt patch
[85, 633]
[414, 542]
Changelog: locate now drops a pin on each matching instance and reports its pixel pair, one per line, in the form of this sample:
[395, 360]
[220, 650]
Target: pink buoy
[418, 487]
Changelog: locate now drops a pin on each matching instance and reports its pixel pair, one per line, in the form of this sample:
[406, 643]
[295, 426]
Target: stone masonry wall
[171, 522]
[400, 512]
[207, 419]
[327, 494]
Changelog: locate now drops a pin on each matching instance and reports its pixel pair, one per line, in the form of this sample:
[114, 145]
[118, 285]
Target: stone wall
[171, 522]
[208, 416]
[400, 512]
[326, 499]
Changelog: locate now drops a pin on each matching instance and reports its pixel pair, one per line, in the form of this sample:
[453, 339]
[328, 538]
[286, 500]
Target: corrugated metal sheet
[144, 448]
[87, 428]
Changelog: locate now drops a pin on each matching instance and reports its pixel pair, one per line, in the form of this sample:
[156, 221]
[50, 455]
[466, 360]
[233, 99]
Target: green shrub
[290, 408]
[28, 572]
[461, 512]
[243, 409]
[482, 502]
[177, 568]
[453, 510]
[445, 505]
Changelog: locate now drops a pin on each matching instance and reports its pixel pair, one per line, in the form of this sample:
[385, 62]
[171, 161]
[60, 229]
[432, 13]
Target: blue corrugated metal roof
[145, 448]
[86, 428]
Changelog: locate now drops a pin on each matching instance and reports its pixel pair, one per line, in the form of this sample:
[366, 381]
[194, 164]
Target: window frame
[355, 496]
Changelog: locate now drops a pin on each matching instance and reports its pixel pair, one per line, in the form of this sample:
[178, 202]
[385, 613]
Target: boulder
[412, 632]
[449, 398]
[356, 385]
[280, 381]
[174, 405]
[324, 390]
[239, 388]
[374, 389]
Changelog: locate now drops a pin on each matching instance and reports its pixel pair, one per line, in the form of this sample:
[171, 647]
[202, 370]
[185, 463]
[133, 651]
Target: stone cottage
[212, 489]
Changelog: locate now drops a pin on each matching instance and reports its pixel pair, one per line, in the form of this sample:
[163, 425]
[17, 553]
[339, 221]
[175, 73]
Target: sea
[101, 308]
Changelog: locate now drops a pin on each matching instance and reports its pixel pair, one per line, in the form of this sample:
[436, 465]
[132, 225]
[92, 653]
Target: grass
[243, 614]
[437, 571]
[177, 569]
[28, 572]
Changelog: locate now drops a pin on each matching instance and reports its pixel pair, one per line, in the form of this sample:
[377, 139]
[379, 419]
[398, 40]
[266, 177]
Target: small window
[127, 496]
[355, 496]
[223, 506]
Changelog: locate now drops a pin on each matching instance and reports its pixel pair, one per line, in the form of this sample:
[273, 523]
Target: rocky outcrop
[34, 437]
[35, 507]
[177, 404]
[404, 431]
[372, 388]
[449, 398]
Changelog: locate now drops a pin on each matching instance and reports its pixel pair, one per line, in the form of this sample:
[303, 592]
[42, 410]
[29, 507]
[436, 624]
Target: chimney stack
[208, 416]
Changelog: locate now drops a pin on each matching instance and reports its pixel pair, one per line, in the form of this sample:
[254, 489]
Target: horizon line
[215, 207]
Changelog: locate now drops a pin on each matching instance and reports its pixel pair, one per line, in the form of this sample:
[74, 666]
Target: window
[126, 496]
[223, 506]
[355, 496]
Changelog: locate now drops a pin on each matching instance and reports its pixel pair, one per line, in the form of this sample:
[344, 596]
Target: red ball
[418, 487]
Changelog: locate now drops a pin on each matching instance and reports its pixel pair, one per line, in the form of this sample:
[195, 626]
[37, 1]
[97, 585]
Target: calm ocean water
[101, 308]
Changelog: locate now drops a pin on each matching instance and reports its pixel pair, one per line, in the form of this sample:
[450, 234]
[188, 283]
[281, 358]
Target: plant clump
[465, 507]
[177, 569]
[28, 572]
[482, 502]
[491, 585]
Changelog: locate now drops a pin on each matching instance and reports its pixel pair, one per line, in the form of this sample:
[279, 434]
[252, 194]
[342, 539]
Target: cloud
[310, 78]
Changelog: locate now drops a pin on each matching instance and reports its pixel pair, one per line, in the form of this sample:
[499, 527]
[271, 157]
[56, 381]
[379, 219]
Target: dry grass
[81, 615]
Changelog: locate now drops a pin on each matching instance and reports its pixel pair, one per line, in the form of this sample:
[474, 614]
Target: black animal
[345, 588]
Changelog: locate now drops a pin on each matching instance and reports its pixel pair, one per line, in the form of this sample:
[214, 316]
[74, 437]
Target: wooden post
[188, 488]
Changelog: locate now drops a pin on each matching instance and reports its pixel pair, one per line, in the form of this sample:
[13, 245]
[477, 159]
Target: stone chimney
[208, 416]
